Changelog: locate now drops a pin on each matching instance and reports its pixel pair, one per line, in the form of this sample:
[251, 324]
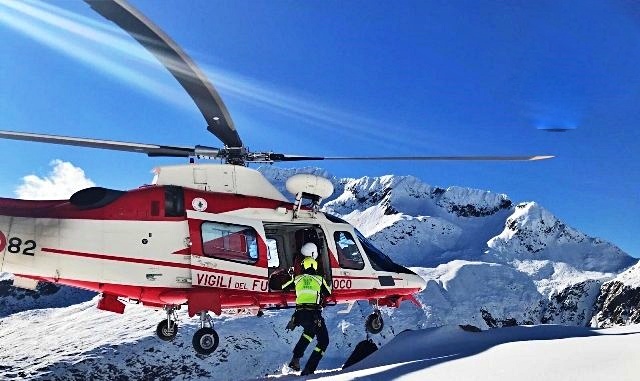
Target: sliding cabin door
[227, 253]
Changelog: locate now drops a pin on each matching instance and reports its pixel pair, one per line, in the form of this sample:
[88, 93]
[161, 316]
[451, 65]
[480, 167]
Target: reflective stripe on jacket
[309, 288]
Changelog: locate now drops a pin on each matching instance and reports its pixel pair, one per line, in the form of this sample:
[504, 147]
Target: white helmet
[309, 249]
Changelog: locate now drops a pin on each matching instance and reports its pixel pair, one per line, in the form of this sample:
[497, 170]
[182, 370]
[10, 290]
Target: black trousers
[314, 326]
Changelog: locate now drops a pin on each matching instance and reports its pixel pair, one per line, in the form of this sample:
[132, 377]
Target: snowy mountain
[489, 262]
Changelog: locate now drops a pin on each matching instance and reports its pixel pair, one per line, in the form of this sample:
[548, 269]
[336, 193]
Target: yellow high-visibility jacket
[309, 288]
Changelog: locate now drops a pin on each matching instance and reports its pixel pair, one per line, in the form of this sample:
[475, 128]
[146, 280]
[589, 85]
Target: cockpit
[379, 260]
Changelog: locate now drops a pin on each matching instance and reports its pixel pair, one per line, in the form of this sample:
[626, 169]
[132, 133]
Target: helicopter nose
[416, 281]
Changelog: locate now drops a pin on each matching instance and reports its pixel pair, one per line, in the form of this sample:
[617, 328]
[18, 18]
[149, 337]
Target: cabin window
[273, 259]
[230, 242]
[349, 256]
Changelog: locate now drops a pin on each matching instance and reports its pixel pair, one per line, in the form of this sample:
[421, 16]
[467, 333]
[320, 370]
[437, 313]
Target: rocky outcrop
[573, 305]
[619, 300]
[618, 304]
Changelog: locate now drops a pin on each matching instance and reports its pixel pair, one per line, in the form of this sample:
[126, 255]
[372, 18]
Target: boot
[312, 363]
[295, 364]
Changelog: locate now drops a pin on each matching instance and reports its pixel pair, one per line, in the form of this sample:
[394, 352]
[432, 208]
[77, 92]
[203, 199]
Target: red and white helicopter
[213, 237]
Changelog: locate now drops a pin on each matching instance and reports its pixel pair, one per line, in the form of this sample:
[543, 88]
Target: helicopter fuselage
[175, 244]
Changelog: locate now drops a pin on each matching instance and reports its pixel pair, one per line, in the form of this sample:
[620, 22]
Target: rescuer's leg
[298, 350]
[307, 322]
[318, 351]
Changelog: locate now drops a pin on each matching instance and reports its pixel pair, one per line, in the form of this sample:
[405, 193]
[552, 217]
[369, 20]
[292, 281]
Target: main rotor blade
[149, 149]
[280, 157]
[177, 62]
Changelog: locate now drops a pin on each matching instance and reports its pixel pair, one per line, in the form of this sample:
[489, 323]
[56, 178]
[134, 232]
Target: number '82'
[16, 246]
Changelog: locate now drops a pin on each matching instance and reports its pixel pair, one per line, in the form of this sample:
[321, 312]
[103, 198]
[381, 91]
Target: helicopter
[215, 238]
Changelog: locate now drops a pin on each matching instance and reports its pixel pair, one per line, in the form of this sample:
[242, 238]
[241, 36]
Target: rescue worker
[309, 249]
[311, 289]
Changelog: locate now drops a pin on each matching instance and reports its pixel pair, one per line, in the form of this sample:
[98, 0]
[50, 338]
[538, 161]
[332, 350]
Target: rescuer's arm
[289, 285]
[326, 288]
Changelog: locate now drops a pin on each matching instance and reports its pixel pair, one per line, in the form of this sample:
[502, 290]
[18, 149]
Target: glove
[292, 323]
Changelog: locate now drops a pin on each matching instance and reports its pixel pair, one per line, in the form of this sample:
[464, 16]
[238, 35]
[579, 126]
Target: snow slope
[516, 353]
[83, 342]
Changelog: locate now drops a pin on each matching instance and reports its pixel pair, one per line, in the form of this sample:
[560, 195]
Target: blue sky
[350, 78]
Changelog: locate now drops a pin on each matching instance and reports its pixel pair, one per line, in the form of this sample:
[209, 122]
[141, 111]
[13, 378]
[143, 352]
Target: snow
[458, 292]
[87, 343]
[552, 277]
[533, 233]
[630, 277]
[524, 353]
[82, 342]
[487, 263]
[372, 220]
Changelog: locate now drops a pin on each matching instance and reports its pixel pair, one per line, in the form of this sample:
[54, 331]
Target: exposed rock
[619, 300]
[618, 304]
[572, 306]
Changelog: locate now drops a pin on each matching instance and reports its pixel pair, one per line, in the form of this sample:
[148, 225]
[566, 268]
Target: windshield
[379, 260]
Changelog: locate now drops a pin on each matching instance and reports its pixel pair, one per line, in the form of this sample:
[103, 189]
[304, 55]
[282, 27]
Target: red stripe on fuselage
[117, 258]
[362, 277]
[229, 298]
[142, 204]
[148, 262]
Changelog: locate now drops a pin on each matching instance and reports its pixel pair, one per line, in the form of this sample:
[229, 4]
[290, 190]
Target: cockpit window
[349, 256]
[378, 259]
